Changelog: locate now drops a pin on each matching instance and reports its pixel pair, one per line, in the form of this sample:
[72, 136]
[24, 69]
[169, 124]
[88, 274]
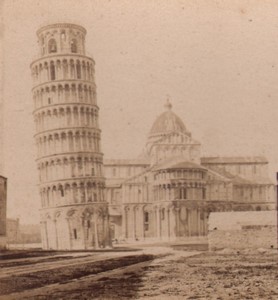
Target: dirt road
[153, 273]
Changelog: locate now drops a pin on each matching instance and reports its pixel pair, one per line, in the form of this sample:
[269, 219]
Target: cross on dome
[168, 104]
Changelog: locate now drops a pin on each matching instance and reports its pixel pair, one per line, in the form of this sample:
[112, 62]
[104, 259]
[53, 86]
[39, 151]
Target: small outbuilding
[3, 212]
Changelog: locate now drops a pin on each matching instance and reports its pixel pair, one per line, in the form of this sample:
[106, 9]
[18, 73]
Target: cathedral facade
[168, 192]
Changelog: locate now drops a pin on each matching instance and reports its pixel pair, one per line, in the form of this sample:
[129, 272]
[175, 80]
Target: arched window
[163, 214]
[78, 70]
[79, 164]
[43, 45]
[61, 191]
[204, 193]
[63, 35]
[52, 71]
[254, 169]
[146, 221]
[183, 193]
[52, 46]
[73, 46]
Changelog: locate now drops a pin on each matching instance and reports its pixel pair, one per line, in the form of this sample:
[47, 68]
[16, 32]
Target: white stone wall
[251, 170]
[254, 237]
[174, 145]
[243, 230]
[122, 171]
[3, 242]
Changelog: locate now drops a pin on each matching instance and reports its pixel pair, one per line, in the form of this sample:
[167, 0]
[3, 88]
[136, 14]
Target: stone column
[70, 233]
[124, 223]
[86, 192]
[56, 234]
[134, 224]
[168, 222]
[84, 231]
[195, 221]
[106, 231]
[78, 193]
[189, 221]
[158, 225]
[95, 230]
[45, 236]
[176, 220]
[142, 223]
[198, 222]
[171, 223]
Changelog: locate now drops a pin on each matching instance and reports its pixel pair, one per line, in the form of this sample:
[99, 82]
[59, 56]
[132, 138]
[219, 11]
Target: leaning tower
[74, 213]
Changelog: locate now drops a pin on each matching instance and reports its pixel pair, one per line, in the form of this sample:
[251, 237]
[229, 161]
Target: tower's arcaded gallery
[74, 212]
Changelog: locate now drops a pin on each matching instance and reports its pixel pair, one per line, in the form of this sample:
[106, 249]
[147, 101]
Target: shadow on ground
[62, 275]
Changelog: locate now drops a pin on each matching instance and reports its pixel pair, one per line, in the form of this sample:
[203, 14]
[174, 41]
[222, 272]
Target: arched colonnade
[70, 167]
[66, 116]
[64, 141]
[64, 68]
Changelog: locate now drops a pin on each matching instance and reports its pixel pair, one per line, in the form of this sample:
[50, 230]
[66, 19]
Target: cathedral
[168, 192]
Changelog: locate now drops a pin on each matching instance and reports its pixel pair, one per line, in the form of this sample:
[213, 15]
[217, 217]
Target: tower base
[75, 227]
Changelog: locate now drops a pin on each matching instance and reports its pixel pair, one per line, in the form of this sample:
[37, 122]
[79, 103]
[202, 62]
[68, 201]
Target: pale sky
[218, 61]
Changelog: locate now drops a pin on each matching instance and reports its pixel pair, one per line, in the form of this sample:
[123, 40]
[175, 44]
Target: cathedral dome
[167, 122]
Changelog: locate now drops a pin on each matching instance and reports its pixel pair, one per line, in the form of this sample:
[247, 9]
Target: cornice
[61, 25]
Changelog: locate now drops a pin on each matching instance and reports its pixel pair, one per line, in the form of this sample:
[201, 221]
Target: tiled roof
[233, 160]
[179, 165]
[113, 182]
[125, 162]
[236, 179]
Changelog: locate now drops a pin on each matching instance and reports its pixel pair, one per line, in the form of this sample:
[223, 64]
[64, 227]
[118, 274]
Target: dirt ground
[153, 273]
[213, 276]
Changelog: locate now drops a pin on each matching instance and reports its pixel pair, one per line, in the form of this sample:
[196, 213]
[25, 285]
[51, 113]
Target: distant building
[30, 233]
[22, 234]
[13, 231]
[169, 191]
[3, 212]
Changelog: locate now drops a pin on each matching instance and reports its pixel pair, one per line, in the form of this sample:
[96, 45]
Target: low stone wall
[243, 230]
[249, 237]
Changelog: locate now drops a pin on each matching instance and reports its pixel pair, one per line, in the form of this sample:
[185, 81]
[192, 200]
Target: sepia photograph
[138, 149]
